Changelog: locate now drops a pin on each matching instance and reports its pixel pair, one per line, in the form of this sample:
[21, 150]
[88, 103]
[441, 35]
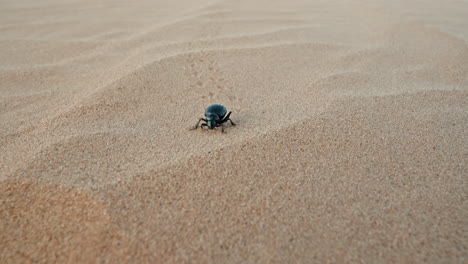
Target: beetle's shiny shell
[216, 109]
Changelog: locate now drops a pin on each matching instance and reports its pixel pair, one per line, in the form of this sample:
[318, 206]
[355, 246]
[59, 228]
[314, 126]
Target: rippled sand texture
[351, 143]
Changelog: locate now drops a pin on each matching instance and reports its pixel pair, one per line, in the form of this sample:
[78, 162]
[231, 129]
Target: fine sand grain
[351, 143]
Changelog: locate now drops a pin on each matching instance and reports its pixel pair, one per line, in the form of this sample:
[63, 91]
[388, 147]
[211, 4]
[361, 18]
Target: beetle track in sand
[203, 62]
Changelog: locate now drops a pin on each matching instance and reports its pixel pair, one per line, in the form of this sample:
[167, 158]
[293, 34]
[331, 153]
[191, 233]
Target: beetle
[215, 117]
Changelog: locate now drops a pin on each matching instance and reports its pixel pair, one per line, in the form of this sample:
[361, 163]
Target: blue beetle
[215, 117]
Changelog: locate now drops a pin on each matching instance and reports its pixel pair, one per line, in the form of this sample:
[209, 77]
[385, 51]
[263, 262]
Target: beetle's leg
[203, 125]
[226, 117]
[220, 125]
[199, 120]
[232, 123]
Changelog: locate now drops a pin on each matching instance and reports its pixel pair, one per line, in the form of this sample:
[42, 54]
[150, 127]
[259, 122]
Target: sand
[350, 144]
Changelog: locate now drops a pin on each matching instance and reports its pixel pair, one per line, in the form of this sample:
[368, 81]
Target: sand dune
[350, 144]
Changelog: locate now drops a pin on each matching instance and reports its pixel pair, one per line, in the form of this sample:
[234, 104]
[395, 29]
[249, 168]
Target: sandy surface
[351, 143]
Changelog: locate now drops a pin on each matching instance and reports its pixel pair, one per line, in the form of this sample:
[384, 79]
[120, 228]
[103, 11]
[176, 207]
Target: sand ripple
[350, 144]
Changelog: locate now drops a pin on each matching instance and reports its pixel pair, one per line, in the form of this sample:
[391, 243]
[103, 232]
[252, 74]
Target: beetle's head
[212, 120]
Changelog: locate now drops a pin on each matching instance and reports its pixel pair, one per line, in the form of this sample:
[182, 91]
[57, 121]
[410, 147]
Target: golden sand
[351, 142]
